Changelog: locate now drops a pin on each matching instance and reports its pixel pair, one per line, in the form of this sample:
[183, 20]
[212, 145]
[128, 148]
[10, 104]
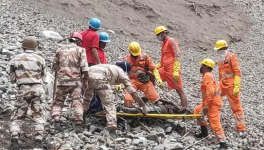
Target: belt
[227, 75]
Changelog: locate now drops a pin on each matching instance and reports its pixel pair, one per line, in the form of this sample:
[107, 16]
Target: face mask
[222, 54]
[160, 37]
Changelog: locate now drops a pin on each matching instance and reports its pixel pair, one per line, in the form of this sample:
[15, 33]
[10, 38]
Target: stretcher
[158, 116]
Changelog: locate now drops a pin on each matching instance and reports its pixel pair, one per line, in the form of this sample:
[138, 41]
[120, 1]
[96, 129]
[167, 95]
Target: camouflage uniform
[27, 70]
[69, 63]
[101, 77]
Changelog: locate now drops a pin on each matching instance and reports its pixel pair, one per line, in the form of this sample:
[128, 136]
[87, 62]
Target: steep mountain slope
[195, 23]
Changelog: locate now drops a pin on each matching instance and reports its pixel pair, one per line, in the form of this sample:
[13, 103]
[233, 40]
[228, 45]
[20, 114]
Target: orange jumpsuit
[211, 98]
[228, 69]
[137, 66]
[170, 53]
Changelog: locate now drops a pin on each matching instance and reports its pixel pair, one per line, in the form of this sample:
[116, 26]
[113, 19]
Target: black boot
[112, 133]
[57, 125]
[204, 132]
[38, 144]
[85, 114]
[14, 144]
[223, 146]
[78, 128]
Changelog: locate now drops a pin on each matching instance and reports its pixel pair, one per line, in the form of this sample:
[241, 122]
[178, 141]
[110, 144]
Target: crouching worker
[70, 65]
[101, 79]
[28, 71]
[139, 76]
[159, 107]
[211, 104]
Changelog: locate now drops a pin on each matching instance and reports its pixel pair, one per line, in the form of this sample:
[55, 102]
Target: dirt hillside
[195, 23]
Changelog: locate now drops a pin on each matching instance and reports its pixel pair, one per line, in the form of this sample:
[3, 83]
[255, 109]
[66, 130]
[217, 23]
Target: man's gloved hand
[176, 69]
[157, 76]
[158, 66]
[160, 82]
[237, 83]
[119, 87]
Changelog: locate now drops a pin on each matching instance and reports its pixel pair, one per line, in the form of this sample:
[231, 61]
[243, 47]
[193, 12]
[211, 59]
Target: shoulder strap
[176, 49]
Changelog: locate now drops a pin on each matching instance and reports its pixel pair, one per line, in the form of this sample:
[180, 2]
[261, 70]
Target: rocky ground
[21, 18]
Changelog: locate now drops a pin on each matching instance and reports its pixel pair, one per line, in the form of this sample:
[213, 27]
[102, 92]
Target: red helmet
[75, 35]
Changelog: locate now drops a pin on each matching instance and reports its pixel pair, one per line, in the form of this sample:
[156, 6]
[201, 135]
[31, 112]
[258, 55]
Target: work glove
[158, 66]
[119, 87]
[236, 86]
[176, 69]
[157, 76]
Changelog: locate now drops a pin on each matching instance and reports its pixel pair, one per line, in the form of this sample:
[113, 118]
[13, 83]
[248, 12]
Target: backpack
[96, 104]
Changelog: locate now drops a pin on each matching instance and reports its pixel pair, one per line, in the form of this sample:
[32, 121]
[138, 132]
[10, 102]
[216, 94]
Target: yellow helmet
[134, 48]
[208, 62]
[160, 29]
[220, 44]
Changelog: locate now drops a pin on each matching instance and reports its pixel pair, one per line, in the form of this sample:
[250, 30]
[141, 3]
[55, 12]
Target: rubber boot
[85, 114]
[57, 125]
[78, 127]
[204, 132]
[38, 144]
[112, 133]
[223, 146]
[14, 144]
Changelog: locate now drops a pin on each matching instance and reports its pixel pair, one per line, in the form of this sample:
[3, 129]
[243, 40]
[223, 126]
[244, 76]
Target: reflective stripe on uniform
[240, 122]
[176, 49]
[203, 95]
[240, 116]
[215, 93]
[221, 140]
[227, 75]
[221, 136]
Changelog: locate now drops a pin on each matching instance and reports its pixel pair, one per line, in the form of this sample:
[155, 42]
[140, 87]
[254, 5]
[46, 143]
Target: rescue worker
[104, 39]
[230, 81]
[169, 66]
[141, 63]
[91, 41]
[28, 71]
[211, 103]
[70, 64]
[101, 79]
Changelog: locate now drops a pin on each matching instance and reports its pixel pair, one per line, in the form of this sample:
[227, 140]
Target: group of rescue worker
[81, 71]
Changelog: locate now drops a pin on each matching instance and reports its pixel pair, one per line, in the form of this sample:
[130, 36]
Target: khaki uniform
[70, 62]
[27, 70]
[101, 77]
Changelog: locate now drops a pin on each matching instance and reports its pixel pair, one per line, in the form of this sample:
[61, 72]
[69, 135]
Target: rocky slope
[196, 23]
[25, 17]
